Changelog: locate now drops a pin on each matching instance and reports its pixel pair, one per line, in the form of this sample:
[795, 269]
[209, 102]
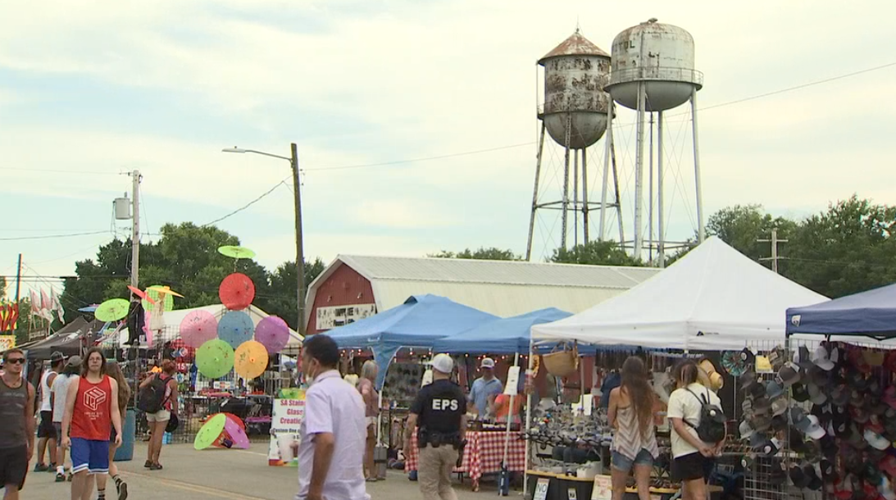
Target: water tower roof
[575, 45]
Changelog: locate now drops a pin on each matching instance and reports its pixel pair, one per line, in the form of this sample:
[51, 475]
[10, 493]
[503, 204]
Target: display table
[482, 455]
[560, 484]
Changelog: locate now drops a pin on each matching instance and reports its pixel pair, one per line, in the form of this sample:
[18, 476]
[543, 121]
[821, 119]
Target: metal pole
[538, 157]
[701, 230]
[639, 176]
[18, 278]
[575, 197]
[529, 411]
[565, 204]
[516, 362]
[650, 197]
[585, 195]
[135, 230]
[606, 184]
[661, 228]
[618, 198]
[300, 249]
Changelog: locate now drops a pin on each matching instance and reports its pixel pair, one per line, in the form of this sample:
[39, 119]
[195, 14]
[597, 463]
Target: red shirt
[92, 416]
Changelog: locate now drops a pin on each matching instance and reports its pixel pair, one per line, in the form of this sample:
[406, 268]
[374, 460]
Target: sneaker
[123, 491]
[41, 467]
[51, 468]
[147, 464]
[60, 478]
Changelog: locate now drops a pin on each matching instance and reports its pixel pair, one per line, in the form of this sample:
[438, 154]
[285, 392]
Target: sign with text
[286, 423]
[541, 489]
[336, 316]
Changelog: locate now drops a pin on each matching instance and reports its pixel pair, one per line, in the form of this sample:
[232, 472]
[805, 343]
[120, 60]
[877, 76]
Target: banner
[289, 410]
[7, 342]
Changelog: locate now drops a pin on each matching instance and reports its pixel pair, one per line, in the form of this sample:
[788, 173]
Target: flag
[35, 304]
[45, 306]
[57, 306]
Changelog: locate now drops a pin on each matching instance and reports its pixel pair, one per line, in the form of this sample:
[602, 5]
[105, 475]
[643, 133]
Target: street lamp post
[300, 249]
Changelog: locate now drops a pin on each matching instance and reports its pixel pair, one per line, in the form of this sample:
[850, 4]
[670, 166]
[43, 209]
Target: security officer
[439, 413]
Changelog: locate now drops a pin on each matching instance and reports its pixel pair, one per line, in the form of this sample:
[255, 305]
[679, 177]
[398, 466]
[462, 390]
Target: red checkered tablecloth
[482, 455]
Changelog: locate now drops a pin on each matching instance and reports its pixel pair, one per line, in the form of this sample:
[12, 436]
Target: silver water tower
[653, 71]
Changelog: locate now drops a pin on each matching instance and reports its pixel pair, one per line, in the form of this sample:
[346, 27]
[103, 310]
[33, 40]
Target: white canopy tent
[714, 298]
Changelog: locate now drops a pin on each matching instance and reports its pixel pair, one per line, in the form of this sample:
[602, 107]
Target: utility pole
[774, 258]
[300, 248]
[135, 229]
[18, 278]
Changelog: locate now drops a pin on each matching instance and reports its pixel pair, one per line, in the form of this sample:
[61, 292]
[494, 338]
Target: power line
[51, 171]
[414, 160]
[247, 205]
[54, 236]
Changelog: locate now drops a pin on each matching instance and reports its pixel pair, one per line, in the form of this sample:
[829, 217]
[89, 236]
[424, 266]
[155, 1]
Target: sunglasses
[20, 361]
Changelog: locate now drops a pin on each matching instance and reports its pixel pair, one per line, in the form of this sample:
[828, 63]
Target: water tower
[574, 114]
[652, 72]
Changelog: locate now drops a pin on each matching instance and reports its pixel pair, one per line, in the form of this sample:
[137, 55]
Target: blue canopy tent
[870, 314]
[504, 336]
[419, 322]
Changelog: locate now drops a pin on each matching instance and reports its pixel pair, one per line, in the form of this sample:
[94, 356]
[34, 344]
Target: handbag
[563, 360]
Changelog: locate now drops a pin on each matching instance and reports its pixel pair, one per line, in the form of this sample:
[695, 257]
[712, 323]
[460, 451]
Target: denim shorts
[625, 464]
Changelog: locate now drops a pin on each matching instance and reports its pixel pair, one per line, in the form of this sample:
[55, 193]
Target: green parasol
[214, 358]
[236, 252]
[210, 432]
[112, 310]
[154, 293]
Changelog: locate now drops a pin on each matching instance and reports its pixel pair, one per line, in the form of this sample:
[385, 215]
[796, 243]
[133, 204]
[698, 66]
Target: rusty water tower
[653, 71]
[574, 113]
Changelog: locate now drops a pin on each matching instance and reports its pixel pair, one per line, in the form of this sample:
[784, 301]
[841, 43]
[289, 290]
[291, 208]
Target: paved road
[224, 474]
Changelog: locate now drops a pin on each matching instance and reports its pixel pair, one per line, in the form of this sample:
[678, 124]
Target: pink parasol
[237, 434]
[198, 327]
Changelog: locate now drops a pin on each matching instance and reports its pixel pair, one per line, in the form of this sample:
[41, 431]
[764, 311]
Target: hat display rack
[818, 420]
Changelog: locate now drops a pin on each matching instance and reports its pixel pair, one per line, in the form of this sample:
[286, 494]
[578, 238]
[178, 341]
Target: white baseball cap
[443, 363]
[487, 363]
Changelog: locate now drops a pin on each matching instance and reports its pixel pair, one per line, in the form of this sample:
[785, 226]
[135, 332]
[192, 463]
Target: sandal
[156, 467]
[147, 464]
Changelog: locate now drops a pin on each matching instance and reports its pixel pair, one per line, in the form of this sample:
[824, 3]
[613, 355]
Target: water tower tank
[659, 55]
[575, 74]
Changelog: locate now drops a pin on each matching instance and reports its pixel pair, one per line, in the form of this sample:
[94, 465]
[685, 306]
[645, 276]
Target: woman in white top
[692, 459]
[630, 413]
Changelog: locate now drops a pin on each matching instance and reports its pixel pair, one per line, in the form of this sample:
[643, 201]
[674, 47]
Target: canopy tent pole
[516, 363]
[529, 371]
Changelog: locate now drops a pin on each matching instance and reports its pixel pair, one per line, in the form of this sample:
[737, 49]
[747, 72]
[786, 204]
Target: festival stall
[713, 299]
[72, 339]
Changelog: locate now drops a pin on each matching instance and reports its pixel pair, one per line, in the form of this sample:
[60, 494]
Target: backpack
[711, 427]
[152, 397]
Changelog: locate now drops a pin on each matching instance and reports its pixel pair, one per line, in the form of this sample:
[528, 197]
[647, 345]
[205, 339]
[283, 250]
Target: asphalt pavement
[225, 474]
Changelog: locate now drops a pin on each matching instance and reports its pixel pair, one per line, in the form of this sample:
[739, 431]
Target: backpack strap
[701, 401]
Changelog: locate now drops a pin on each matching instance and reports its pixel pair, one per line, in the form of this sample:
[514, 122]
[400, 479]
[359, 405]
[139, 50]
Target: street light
[300, 251]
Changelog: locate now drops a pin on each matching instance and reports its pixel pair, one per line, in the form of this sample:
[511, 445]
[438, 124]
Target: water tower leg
[606, 180]
[585, 195]
[618, 198]
[538, 157]
[564, 205]
[575, 197]
[661, 236]
[650, 194]
[701, 230]
[639, 177]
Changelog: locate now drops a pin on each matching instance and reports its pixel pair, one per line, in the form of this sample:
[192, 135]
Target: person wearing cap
[334, 430]
[485, 389]
[439, 415]
[46, 433]
[58, 393]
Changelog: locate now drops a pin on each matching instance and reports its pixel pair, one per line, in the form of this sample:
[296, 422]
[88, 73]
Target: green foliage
[595, 253]
[741, 226]
[491, 253]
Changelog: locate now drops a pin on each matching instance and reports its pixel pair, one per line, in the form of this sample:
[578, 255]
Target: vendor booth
[712, 300]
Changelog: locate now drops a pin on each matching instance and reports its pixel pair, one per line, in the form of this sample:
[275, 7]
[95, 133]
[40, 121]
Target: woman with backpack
[630, 413]
[698, 431]
[158, 398]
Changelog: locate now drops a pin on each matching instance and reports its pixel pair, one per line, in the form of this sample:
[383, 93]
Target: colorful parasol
[166, 299]
[164, 290]
[112, 310]
[198, 327]
[250, 359]
[141, 294]
[236, 252]
[235, 328]
[273, 333]
[237, 434]
[209, 432]
[214, 358]
[236, 291]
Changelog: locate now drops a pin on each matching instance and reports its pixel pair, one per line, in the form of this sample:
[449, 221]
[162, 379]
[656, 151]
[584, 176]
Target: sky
[92, 90]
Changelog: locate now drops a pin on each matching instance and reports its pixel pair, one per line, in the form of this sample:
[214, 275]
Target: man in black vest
[439, 414]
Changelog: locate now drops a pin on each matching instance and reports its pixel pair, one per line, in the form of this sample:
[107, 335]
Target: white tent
[714, 298]
[174, 318]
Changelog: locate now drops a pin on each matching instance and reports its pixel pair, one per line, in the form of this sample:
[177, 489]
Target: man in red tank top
[91, 412]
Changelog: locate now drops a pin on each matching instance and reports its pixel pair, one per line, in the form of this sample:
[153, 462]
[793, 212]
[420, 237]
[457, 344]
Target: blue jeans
[625, 464]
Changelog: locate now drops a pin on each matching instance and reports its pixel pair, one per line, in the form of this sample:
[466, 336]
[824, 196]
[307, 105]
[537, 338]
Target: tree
[741, 226]
[595, 253]
[281, 296]
[847, 249]
[491, 253]
[2, 287]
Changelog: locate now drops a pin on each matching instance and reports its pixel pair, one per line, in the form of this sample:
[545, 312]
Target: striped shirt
[628, 440]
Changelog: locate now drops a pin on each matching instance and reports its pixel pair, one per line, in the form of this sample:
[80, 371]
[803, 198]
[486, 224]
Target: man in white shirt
[333, 431]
